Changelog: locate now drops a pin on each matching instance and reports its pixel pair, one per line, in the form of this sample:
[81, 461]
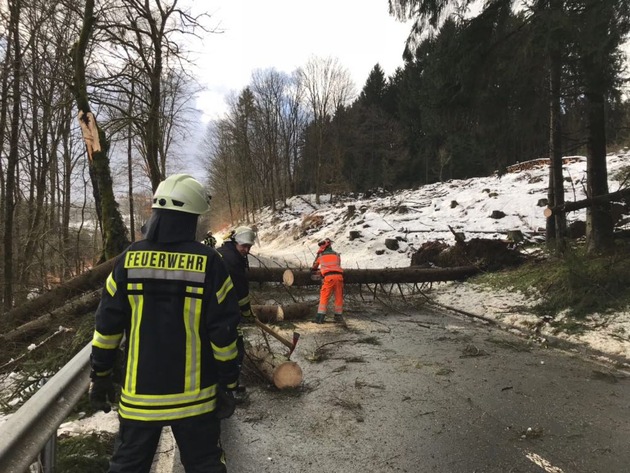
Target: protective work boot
[240, 394]
[339, 319]
[319, 319]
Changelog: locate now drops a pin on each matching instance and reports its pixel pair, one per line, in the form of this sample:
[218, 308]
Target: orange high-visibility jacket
[329, 262]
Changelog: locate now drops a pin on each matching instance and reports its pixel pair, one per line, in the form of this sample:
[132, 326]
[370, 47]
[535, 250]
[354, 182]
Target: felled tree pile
[487, 255]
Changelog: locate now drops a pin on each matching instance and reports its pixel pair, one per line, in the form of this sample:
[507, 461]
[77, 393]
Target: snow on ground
[416, 216]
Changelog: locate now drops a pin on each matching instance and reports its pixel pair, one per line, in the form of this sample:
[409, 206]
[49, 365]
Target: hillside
[413, 217]
[486, 207]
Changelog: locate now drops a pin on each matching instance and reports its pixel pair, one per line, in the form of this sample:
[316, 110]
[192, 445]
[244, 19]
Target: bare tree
[147, 49]
[328, 86]
[114, 231]
[14, 54]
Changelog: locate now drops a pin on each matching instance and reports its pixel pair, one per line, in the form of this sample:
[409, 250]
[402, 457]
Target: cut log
[277, 370]
[287, 375]
[268, 313]
[299, 277]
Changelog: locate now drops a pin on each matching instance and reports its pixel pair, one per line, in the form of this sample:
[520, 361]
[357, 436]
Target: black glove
[247, 317]
[246, 320]
[226, 404]
[102, 393]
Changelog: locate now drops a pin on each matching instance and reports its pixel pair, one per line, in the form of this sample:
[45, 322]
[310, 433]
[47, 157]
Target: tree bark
[599, 226]
[78, 306]
[299, 277]
[557, 227]
[115, 238]
[12, 159]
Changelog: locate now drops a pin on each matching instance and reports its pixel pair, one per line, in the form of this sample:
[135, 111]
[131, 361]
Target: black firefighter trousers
[198, 439]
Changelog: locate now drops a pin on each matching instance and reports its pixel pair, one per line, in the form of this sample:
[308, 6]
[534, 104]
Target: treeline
[473, 98]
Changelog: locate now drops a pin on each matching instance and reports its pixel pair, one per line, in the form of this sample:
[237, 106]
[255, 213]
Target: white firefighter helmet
[244, 235]
[183, 193]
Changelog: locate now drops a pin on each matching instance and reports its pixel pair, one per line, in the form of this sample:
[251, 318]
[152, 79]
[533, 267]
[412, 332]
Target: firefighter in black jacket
[235, 248]
[172, 301]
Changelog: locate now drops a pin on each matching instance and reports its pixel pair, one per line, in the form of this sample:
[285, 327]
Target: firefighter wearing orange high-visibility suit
[329, 264]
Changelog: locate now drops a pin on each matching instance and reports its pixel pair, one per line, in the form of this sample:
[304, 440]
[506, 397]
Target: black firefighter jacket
[176, 306]
[238, 265]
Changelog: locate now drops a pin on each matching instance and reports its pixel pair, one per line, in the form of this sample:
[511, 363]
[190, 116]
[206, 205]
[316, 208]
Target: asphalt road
[427, 392]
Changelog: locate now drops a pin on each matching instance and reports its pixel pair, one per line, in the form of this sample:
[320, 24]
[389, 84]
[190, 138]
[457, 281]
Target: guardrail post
[48, 455]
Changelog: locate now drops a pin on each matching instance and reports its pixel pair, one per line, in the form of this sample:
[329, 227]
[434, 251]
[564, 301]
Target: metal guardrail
[25, 434]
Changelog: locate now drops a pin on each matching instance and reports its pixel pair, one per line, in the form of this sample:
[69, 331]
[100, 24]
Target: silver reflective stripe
[174, 275]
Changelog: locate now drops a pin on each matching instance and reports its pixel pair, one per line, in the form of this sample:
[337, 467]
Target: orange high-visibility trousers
[331, 283]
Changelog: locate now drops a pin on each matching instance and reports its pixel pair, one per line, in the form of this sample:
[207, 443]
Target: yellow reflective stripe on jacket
[136, 301]
[110, 285]
[166, 265]
[168, 400]
[106, 342]
[226, 353]
[227, 286]
[134, 413]
[192, 318]
[167, 406]
[245, 300]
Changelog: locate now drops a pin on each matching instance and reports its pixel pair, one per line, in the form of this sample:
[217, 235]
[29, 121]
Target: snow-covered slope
[415, 216]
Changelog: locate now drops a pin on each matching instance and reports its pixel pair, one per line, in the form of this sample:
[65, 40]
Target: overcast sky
[283, 34]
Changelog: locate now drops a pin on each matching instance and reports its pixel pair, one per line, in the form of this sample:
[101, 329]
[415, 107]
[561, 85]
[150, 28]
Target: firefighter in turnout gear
[210, 240]
[235, 248]
[172, 301]
[328, 263]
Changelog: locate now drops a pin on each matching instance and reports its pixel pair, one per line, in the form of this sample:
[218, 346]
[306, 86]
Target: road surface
[421, 391]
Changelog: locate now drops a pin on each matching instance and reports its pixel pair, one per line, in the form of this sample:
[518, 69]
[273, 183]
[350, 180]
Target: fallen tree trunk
[581, 204]
[297, 277]
[78, 306]
[95, 279]
[57, 297]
